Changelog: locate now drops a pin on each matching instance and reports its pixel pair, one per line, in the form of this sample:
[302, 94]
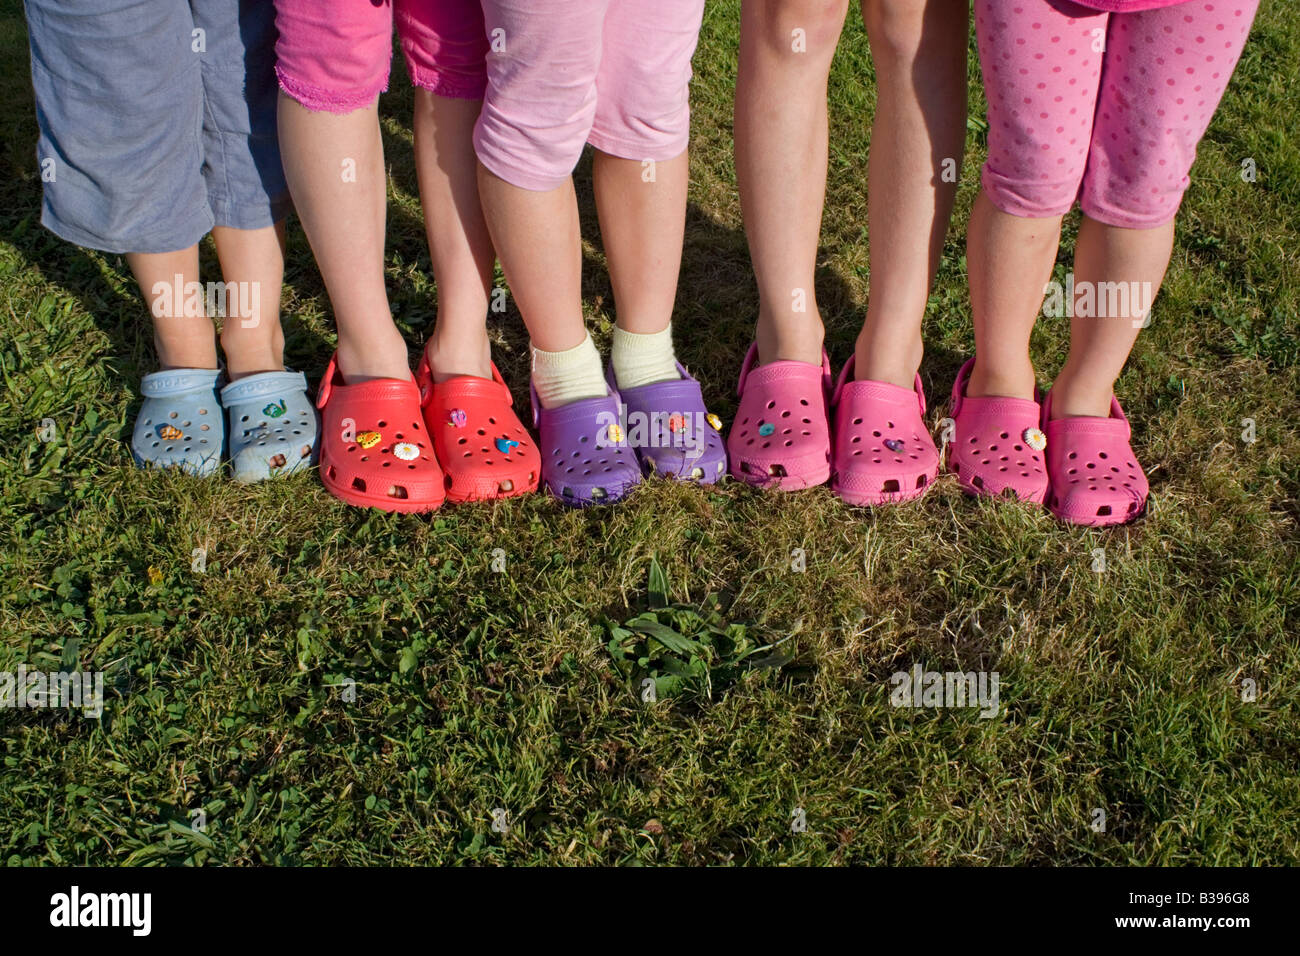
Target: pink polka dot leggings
[1106, 108]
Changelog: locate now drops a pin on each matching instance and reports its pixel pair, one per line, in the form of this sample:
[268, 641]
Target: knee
[898, 28]
[810, 28]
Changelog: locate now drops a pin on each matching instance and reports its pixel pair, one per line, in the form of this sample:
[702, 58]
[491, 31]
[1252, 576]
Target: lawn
[293, 681]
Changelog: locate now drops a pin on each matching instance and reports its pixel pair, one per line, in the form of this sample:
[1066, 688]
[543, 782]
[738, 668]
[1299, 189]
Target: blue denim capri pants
[157, 120]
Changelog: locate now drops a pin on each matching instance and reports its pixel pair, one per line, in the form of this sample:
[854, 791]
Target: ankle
[895, 362]
[451, 355]
[1077, 398]
[785, 339]
[374, 359]
[245, 358]
[1003, 379]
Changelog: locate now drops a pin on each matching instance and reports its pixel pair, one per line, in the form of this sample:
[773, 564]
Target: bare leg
[335, 167]
[252, 339]
[537, 237]
[1099, 346]
[919, 51]
[179, 341]
[781, 152]
[642, 225]
[459, 245]
[1010, 260]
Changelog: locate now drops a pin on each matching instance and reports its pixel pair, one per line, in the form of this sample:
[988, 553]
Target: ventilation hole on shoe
[977, 481]
[857, 421]
[984, 462]
[156, 444]
[1103, 511]
[856, 439]
[331, 472]
[1072, 455]
[972, 441]
[358, 484]
[1102, 454]
[1019, 448]
[890, 486]
[858, 452]
[876, 434]
[803, 401]
[788, 444]
[786, 413]
[993, 447]
[744, 466]
[1005, 435]
[598, 492]
[506, 485]
[920, 481]
[244, 419]
[776, 471]
[387, 464]
[382, 424]
[1092, 464]
[397, 491]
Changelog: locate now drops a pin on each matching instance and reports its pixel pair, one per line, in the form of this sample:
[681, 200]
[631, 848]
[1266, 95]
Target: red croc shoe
[479, 440]
[374, 450]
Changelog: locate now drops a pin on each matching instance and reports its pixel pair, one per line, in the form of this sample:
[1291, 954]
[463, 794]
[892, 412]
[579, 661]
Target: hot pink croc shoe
[881, 450]
[781, 437]
[1096, 480]
[997, 444]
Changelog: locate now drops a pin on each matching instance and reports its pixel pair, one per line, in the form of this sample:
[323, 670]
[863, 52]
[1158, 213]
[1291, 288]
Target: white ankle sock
[568, 376]
[643, 358]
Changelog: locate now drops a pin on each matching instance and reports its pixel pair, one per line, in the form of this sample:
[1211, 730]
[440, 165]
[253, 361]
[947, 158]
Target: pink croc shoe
[781, 437]
[881, 450]
[997, 444]
[1096, 480]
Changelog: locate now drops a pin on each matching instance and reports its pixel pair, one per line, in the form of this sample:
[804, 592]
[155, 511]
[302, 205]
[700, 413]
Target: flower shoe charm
[1035, 439]
[406, 451]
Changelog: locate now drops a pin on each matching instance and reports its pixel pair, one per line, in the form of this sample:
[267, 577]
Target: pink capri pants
[563, 73]
[335, 56]
[554, 75]
[1106, 108]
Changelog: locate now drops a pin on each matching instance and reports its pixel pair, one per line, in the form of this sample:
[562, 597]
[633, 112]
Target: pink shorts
[564, 73]
[335, 55]
[1105, 108]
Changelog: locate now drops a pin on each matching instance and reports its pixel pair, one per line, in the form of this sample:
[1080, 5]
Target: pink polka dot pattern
[1102, 107]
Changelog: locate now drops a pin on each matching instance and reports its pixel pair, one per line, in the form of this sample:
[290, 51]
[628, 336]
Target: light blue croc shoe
[180, 424]
[273, 425]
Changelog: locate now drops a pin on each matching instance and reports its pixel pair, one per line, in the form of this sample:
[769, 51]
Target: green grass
[478, 690]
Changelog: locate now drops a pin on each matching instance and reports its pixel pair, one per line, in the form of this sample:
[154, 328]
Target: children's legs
[642, 226]
[335, 166]
[537, 238]
[1041, 76]
[1009, 259]
[1099, 346]
[180, 341]
[253, 259]
[1184, 56]
[459, 245]
[919, 51]
[781, 153]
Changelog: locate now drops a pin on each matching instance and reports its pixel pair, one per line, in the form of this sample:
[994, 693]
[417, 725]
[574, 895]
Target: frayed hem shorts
[157, 120]
[1105, 108]
[553, 75]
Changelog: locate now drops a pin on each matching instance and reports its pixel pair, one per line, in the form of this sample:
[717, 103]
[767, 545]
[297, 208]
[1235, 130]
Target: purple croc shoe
[673, 433]
[586, 459]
